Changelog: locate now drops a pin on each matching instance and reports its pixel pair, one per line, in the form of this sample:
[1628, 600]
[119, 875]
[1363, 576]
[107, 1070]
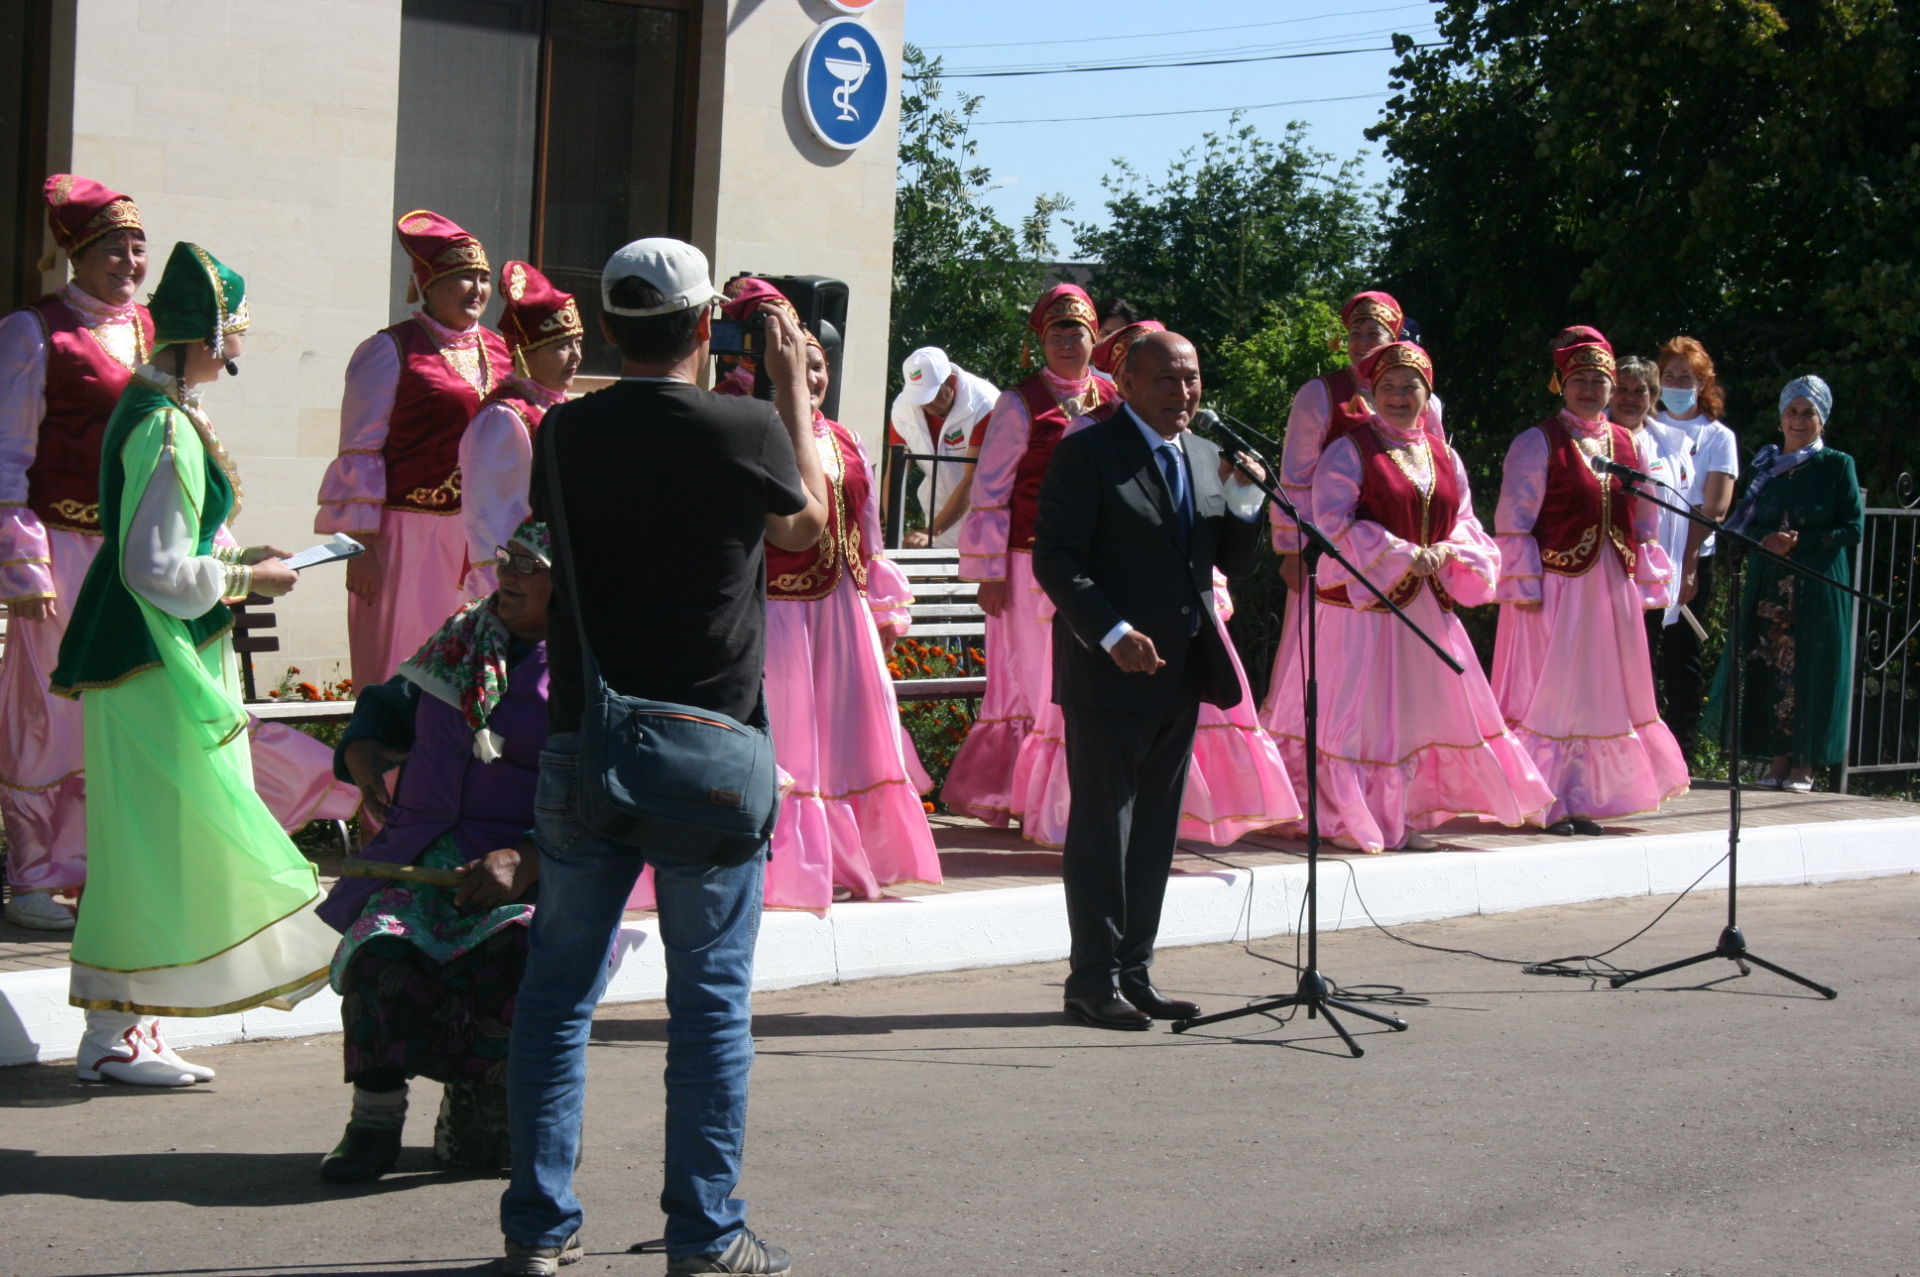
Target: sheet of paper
[338, 546]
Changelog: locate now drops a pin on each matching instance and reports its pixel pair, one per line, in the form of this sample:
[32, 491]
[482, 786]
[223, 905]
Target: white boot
[198, 1072]
[114, 1049]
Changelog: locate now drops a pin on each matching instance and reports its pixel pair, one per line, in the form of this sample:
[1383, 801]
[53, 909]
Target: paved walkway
[976, 857]
[1700, 1126]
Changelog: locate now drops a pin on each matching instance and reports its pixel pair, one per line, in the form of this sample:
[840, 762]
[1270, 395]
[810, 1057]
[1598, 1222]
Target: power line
[1198, 110]
[1151, 35]
[1180, 56]
[1149, 66]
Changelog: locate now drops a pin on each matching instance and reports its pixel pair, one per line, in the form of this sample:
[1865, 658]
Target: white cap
[924, 372]
[676, 270]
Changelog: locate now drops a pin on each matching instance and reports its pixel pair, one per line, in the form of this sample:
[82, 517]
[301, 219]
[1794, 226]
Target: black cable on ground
[1582, 965]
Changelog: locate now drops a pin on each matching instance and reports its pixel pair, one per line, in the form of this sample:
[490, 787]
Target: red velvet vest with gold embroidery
[1347, 408]
[1577, 516]
[814, 573]
[1049, 421]
[84, 383]
[432, 405]
[1390, 498]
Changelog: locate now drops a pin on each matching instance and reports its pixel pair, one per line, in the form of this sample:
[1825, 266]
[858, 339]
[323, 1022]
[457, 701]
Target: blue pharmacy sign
[843, 83]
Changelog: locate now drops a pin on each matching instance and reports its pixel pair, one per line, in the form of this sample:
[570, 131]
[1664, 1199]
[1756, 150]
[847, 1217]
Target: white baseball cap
[677, 271]
[924, 372]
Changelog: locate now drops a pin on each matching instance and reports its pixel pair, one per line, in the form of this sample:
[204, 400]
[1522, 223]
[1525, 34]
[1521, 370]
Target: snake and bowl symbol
[851, 72]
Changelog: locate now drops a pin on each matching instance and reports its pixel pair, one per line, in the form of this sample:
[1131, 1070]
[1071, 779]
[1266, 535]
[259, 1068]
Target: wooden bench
[946, 612]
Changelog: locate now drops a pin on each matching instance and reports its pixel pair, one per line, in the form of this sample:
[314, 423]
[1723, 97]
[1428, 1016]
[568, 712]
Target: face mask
[1678, 402]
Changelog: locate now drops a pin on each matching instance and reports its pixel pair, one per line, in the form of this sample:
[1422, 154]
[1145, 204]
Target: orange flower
[309, 691]
[927, 807]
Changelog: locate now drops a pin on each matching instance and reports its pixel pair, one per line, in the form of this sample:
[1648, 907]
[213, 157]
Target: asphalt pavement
[1701, 1125]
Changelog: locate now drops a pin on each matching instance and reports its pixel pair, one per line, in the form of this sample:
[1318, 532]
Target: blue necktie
[1176, 476]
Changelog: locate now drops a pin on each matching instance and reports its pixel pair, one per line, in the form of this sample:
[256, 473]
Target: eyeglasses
[517, 562]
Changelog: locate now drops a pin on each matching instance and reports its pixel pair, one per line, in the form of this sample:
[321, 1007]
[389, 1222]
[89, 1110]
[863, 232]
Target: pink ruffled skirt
[1573, 682]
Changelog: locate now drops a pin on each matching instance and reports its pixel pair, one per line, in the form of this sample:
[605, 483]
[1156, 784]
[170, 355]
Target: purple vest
[445, 789]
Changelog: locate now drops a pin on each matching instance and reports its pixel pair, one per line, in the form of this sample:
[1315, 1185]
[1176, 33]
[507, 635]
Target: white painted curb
[958, 930]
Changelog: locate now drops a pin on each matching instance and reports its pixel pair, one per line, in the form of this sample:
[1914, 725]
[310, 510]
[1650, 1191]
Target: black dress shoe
[1108, 1010]
[363, 1155]
[1148, 999]
[1560, 829]
[1581, 825]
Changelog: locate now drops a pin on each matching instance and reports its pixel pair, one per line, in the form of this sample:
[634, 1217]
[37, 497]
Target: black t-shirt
[667, 488]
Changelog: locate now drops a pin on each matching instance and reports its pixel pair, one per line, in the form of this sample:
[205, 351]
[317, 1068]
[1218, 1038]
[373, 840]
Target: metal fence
[899, 472]
[1883, 731]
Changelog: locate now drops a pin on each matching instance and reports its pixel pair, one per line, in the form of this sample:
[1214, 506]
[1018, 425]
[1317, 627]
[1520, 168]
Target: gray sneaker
[541, 1261]
[746, 1254]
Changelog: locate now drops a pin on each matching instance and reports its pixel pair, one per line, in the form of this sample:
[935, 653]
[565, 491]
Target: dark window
[24, 43]
[555, 130]
[469, 123]
[616, 148]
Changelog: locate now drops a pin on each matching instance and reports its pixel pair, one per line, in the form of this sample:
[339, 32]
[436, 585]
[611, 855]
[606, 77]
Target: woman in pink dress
[1323, 410]
[64, 359]
[542, 328]
[1237, 782]
[1580, 561]
[851, 820]
[411, 390]
[1404, 744]
[996, 548]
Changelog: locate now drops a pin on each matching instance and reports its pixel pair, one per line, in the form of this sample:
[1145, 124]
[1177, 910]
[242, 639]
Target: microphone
[1600, 465]
[1205, 421]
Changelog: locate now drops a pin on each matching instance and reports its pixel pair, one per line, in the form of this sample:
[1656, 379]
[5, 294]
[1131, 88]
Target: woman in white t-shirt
[1691, 401]
[1666, 453]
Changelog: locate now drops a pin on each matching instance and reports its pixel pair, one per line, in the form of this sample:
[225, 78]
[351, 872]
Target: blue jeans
[709, 920]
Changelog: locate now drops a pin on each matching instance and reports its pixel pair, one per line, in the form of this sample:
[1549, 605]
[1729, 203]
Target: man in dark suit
[1135, 514]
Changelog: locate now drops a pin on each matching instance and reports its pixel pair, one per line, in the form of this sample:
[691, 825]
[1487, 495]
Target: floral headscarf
[466, 661]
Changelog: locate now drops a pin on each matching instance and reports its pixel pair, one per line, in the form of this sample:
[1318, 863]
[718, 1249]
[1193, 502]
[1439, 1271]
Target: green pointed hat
[199, 299]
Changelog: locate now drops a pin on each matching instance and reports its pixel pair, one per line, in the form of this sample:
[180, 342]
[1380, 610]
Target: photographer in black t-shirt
[669, 491]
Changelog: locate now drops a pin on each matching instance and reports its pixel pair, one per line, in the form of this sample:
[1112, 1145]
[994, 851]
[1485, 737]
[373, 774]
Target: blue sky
[1058, 154]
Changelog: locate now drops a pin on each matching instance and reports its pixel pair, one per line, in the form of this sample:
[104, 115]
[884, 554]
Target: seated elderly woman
[1795, 662]
[431, 958]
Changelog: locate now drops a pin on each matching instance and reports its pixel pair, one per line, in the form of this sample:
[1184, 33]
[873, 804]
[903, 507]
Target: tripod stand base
[1316, 995]
[1733, 947]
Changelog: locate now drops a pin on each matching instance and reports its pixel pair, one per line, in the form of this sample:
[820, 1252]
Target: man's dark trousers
[1128, 777]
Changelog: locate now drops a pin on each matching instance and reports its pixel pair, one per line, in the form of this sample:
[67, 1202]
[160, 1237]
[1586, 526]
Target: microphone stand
[1314, 991]
[1732, 944]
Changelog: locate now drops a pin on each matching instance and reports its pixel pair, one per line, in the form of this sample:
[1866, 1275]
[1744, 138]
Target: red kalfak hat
[438, 247]
[1110, 356]
[747, 294]
[1397, 354]
[1583, 348]
[537, 313]
[1063, 304]
[1375, 305]
[80, 210]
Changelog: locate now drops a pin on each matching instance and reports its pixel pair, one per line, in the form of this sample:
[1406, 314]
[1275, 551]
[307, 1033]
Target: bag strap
[563, 545]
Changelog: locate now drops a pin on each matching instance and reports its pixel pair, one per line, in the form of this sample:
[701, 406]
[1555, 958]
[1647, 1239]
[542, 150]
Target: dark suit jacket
[1107, 549]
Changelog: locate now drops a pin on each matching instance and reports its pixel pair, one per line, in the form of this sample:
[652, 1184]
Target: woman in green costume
[197, 903]
[1796, 632]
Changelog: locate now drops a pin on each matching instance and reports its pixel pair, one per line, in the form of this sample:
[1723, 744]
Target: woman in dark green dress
[1796, 633]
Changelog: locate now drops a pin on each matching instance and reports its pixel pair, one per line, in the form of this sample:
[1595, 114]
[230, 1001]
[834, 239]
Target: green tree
[1239, 247]
[963, 280]
[1741, 171]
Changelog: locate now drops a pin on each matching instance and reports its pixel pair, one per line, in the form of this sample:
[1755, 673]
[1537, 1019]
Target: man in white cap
[941, 410]
[668, 493]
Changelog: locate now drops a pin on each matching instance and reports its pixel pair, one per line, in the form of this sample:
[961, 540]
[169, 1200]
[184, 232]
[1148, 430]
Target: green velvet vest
[108, 639]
